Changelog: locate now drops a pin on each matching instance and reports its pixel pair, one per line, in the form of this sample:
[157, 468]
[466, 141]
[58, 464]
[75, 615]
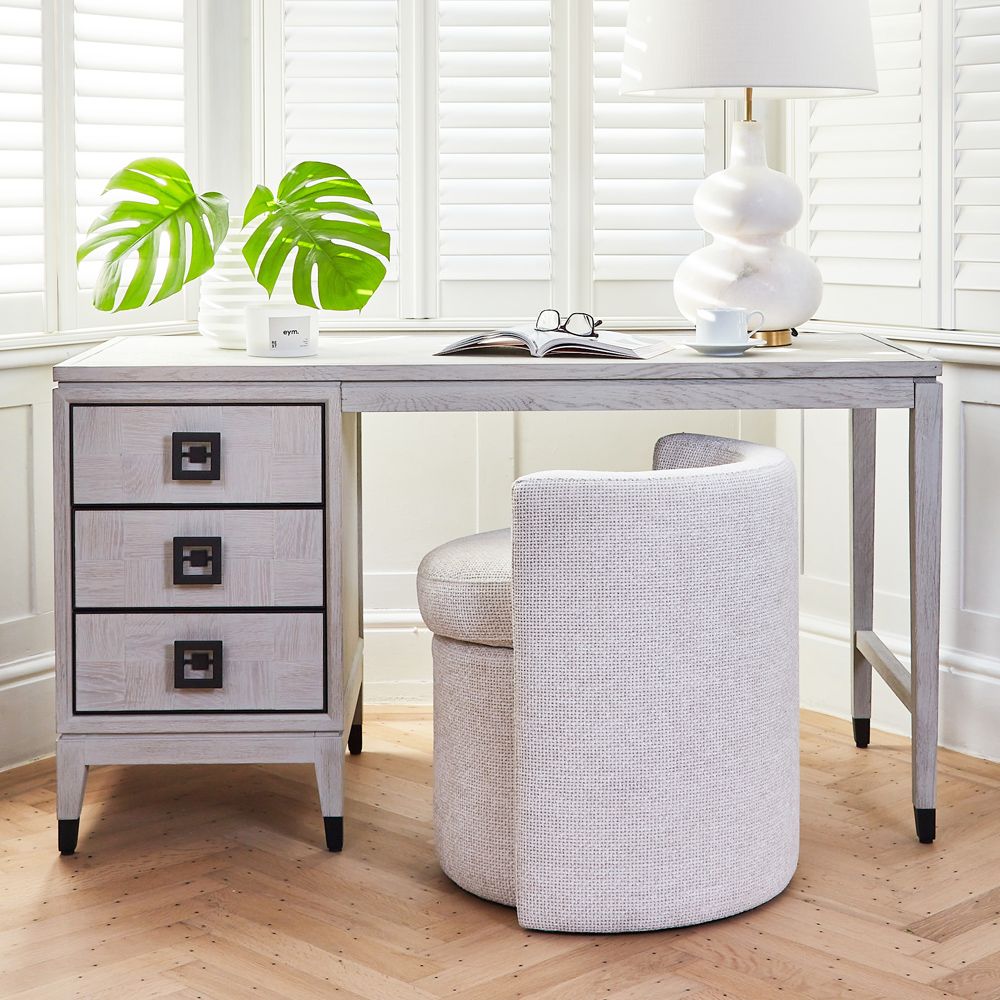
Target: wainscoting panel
[979, 476]
[425, 479]
[972, 527]
[26, 712]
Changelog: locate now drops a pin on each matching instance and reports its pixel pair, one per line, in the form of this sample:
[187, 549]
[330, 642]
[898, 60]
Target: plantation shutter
[865, 180]
[649, 157]
[474, 173]
[494, 156]
[128, 102]
[977, 165]
[22, 222]
[341, 104]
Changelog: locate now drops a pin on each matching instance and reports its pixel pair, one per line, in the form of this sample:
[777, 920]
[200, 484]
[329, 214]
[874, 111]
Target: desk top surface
[409, 357]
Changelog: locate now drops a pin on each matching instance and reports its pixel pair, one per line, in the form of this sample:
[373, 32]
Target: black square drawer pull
[196, 456]
[197, 664]
[197, 560]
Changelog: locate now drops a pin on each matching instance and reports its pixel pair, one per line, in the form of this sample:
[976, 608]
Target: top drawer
[171, 454]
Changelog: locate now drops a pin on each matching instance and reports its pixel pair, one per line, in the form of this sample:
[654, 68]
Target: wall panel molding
[30, 670]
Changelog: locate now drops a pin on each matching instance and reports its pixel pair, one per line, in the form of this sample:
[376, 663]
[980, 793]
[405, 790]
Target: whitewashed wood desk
[208, 531]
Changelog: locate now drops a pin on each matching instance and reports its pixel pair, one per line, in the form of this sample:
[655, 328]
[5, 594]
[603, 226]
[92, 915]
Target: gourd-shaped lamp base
[748, 208]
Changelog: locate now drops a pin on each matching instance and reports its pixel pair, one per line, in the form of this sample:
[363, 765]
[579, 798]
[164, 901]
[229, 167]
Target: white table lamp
[691, 49]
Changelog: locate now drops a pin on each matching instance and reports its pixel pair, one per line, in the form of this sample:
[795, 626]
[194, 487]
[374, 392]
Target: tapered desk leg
[862, 564]
[71, 780]
[925, 598]
[329, 755]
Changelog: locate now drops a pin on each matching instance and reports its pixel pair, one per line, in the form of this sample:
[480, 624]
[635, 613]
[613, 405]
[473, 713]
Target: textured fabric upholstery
[654, 761]
[696, 451]
[474, 766]
[463, 589]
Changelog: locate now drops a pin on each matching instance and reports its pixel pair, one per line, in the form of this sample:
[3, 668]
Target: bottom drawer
[199, 662]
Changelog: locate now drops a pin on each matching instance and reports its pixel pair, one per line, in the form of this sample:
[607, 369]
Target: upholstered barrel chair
[616, 692]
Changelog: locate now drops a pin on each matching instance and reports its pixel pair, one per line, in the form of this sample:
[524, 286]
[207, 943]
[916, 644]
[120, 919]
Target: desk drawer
[198, 558]
[199, 662]
[197, 454]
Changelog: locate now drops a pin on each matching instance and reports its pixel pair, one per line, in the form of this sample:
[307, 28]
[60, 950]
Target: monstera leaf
[318, 212]
[194, 225]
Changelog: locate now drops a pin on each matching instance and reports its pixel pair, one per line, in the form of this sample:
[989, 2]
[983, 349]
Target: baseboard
[27, 708]
[414, 692]
[969, 696]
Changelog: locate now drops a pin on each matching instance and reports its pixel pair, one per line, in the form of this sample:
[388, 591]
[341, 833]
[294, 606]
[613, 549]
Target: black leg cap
[334, 827]
[862, 732]
[354, 739]
[926, 822]
[69, 830]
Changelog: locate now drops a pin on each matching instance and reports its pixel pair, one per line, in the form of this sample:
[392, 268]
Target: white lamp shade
[716, 48]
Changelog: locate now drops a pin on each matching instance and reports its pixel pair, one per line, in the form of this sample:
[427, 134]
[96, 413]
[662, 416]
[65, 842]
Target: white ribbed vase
[748, 208]
[228, 288]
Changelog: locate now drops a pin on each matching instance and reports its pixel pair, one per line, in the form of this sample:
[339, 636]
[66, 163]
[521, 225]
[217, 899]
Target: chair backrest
[655, 634]
[633, 559]
[704, 451]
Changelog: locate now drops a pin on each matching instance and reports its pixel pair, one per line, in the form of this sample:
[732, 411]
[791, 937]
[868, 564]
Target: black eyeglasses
[578, 324]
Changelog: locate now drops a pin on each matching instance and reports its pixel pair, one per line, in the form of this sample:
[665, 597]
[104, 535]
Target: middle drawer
[198, 558]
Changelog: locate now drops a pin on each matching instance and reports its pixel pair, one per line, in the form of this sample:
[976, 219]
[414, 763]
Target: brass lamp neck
[749, 104]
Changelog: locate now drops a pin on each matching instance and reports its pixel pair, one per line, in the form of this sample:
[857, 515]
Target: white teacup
[726, 327]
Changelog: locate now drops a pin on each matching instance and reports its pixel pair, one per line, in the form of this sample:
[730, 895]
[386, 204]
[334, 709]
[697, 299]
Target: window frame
[67, 316]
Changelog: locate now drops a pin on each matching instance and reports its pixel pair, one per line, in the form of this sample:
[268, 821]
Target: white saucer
[723, 350]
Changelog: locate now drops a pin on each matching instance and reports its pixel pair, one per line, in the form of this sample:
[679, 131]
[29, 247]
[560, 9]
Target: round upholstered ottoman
[464, 593]
[616, 693]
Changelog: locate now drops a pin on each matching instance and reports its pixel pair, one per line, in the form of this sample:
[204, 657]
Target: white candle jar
[281, 331]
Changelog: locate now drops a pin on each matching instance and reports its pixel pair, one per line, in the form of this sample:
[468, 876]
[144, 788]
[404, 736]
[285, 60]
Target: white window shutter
[22, 221]
[649, 158]
[494, 156]
[482, 173]
[341, 105]
[128, 102]
[866, 221]
[977, 165]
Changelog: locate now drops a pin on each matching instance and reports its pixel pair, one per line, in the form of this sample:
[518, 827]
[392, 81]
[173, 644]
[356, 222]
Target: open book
[542, 343]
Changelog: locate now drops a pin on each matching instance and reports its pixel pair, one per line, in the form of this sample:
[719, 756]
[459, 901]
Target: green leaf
[193, 226]
[315, 220]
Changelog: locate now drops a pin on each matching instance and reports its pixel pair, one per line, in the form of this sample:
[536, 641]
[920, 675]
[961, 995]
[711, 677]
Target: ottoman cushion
[463, 588]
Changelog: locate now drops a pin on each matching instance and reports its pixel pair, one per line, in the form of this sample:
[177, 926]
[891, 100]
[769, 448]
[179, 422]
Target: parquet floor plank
[211, 883]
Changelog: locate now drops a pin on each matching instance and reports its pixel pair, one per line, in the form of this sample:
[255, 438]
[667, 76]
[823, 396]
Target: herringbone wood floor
[212, 883]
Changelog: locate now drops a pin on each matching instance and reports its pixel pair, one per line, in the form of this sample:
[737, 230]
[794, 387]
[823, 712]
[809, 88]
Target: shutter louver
[22, 221]
[494, 155]
[128, 103]
[977, 165]
[865, 182]
[341, 104]
[649, 158]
